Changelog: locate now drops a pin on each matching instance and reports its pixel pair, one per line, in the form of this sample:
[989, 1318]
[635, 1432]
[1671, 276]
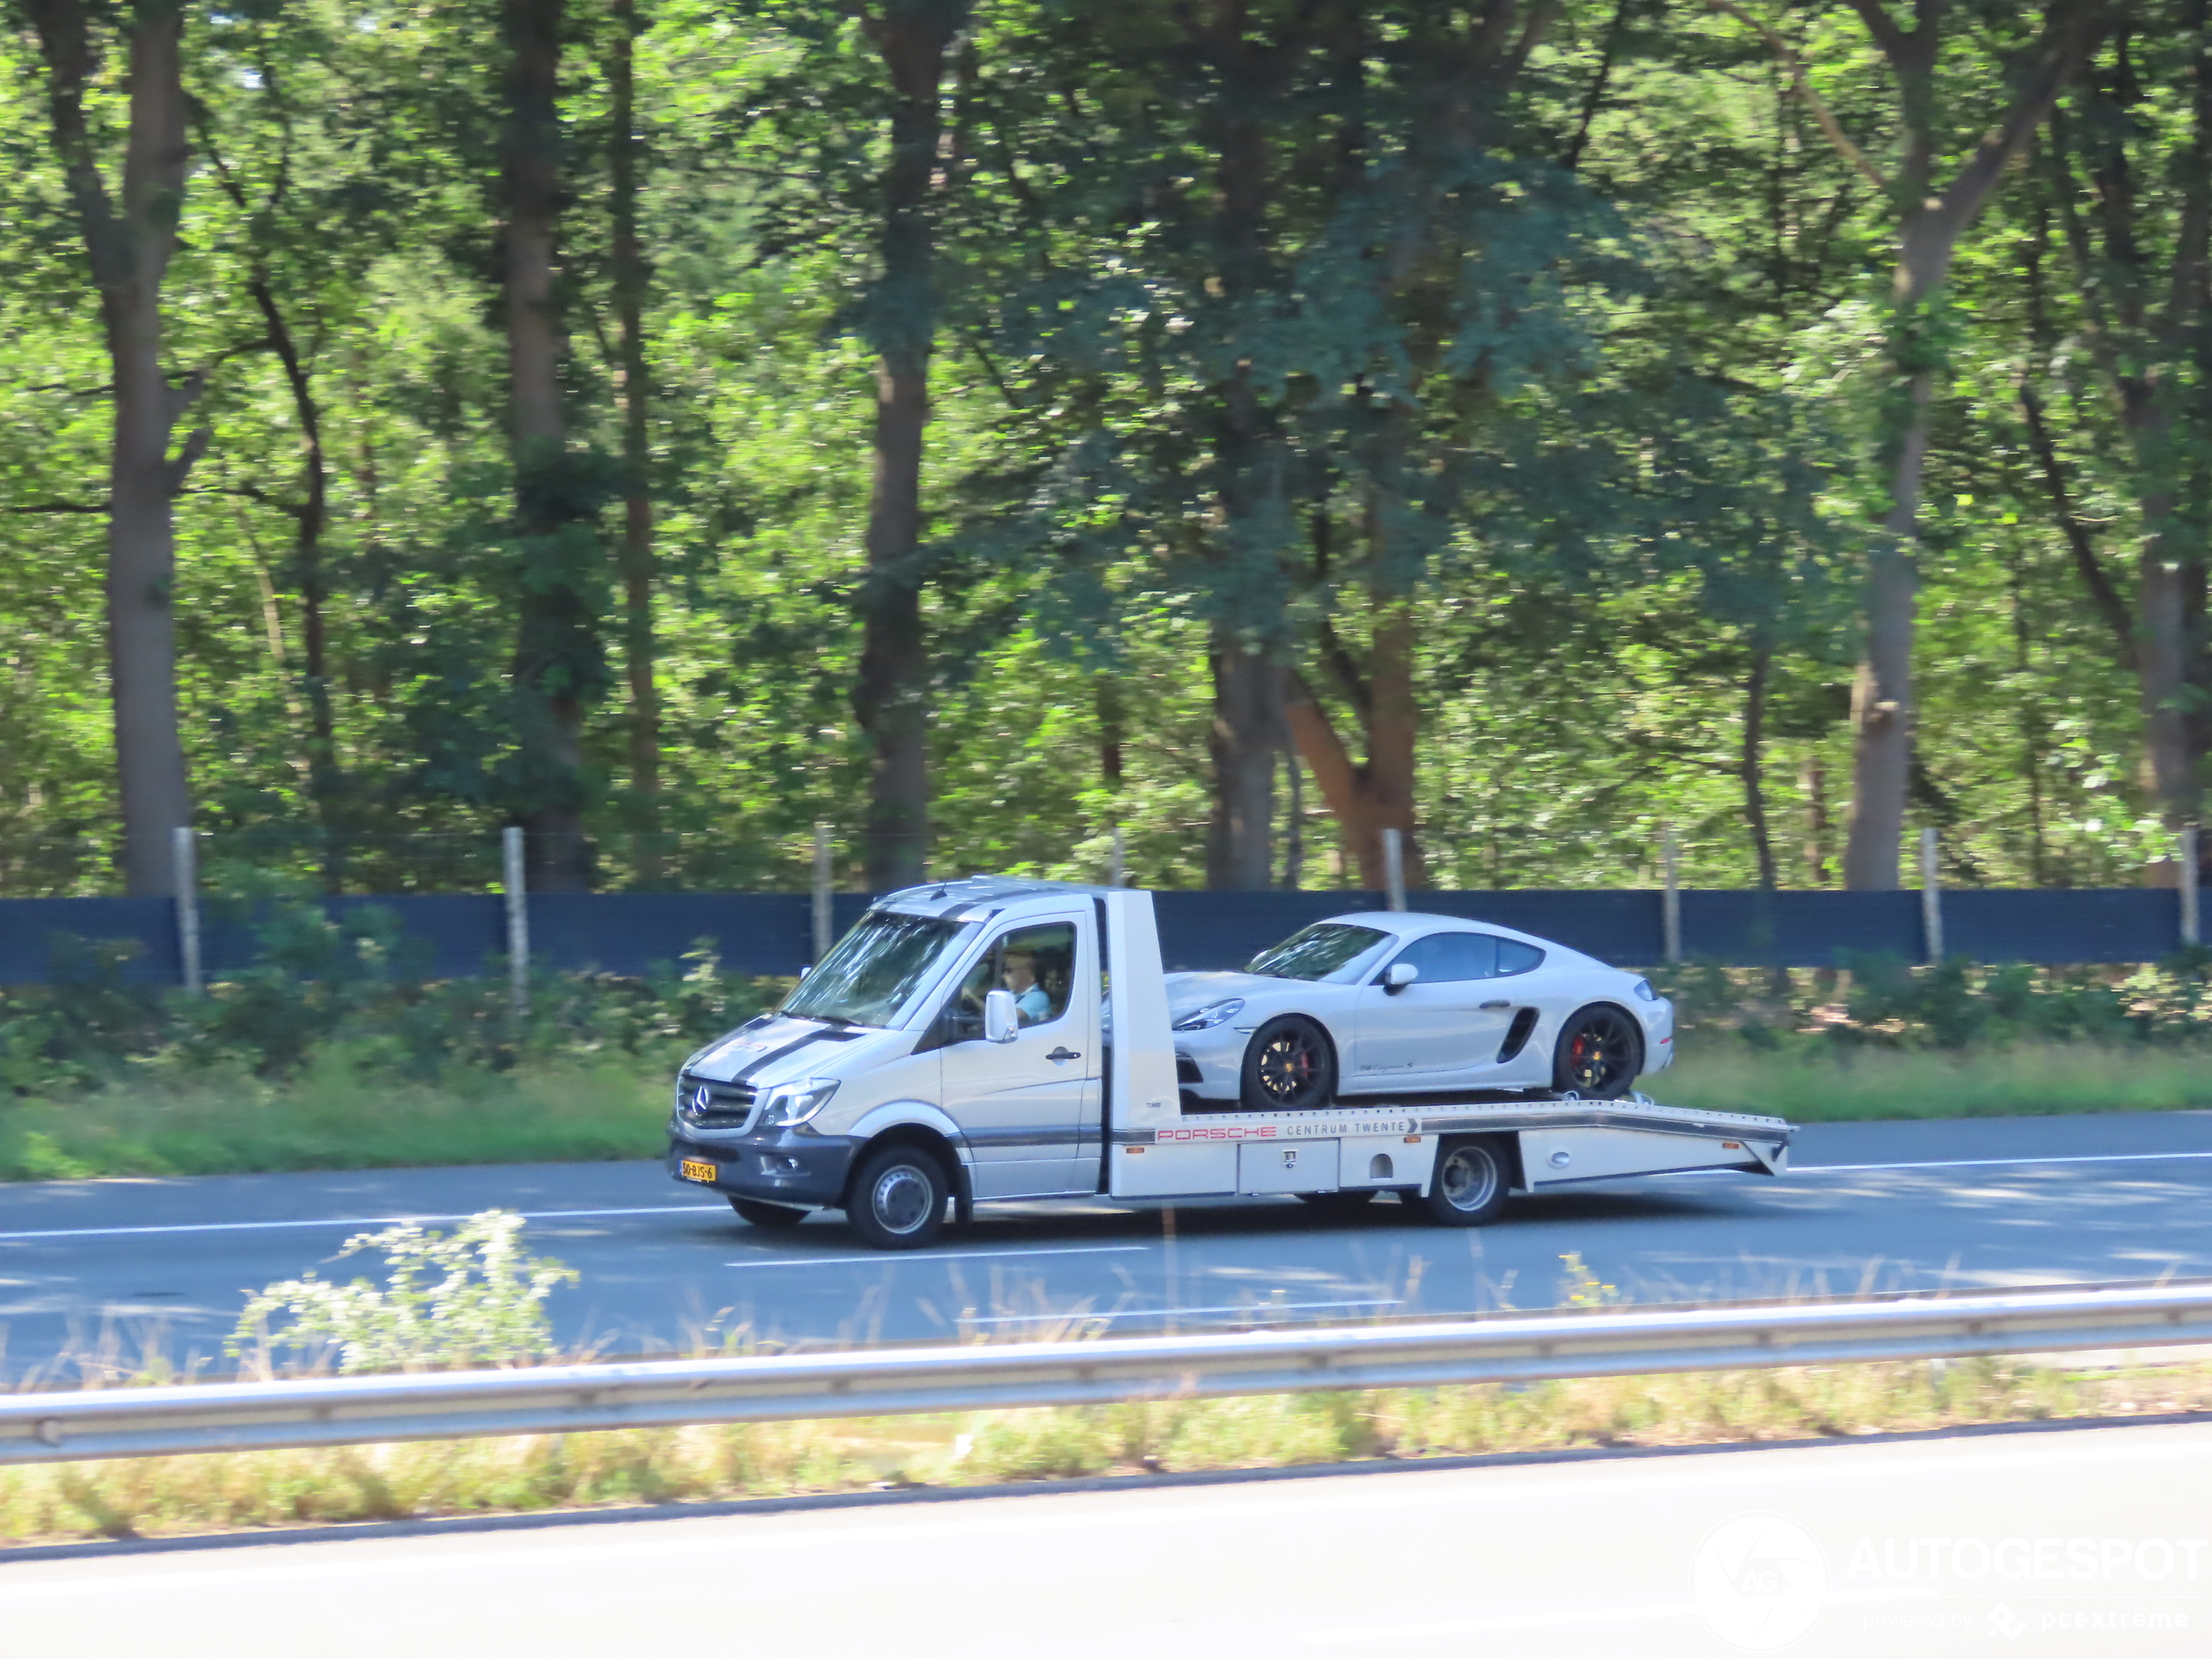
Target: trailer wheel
[766, 1215]
[1469, 1186]
[1289, 1067]
[898, 1198]
[1599, 1055]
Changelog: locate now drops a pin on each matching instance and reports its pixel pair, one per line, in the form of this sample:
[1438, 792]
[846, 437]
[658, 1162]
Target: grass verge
[1833, 1085]
[220, 1492]
[337, 1115]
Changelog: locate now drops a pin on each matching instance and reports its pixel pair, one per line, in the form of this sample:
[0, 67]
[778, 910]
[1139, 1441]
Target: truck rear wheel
[898, 1198]
[766, 1215]
[1469, 1186]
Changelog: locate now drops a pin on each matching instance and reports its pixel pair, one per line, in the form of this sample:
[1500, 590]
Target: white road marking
[1171, 1314]
[888, 1256]
[347, 1221]
[1985, 1163]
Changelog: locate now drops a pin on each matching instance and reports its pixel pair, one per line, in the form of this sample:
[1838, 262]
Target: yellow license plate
[692, 1170]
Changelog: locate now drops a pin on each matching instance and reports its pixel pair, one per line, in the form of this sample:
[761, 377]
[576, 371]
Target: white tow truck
[945, 1055]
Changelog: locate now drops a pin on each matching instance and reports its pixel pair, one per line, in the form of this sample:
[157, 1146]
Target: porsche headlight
[1212, 1015]
[1644, 990]
[789, 1103]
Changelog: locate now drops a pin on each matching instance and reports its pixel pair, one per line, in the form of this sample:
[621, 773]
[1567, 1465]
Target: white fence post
[518, 920]
[1394, 868]
[1117, 871]
[184, 861]
[2191, 929]
[1931, 897]
[1670, 896]
[824, 916]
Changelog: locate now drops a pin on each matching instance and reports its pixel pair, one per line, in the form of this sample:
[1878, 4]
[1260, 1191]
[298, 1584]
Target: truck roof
[976, 893]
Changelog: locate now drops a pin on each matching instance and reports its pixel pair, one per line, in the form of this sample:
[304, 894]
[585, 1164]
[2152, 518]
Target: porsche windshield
[867, 978]
[1317, 953]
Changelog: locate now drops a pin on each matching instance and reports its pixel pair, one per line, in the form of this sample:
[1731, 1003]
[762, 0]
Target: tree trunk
[1882, 695]
[1243, 742]
[129, 251]
[1369, 797]
[556, 658]
[891, 699]
[630, 278]
[1752, 765]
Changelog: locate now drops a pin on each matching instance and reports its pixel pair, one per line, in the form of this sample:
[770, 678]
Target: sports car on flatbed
[1390, 1002]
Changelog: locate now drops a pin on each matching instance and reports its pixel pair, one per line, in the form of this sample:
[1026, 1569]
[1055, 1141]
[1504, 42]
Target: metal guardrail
[136, 1422]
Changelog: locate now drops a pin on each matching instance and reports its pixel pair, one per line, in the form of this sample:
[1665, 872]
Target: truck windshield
[1316, 953]
[867, 978]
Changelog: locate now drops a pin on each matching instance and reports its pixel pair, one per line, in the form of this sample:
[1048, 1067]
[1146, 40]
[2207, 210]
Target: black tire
[766, 1215]
[1600, 1052]
[1469, 1186]
[1289, 1067]
[1345, 1202]
[898, 1198]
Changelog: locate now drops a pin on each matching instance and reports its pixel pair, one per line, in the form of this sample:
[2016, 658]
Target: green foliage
[472, 1296]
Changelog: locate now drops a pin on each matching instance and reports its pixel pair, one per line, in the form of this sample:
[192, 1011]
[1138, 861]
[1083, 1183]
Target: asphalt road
[2090, 1542]
[121, 1268]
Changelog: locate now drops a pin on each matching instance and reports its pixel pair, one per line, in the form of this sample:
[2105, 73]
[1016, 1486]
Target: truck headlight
[1210, 1015]
[789, 1103]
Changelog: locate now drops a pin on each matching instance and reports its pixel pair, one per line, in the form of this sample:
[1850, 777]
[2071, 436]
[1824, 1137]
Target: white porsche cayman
[1393, 1003]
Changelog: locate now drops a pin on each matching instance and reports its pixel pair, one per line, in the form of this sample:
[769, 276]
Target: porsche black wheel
[1600, 1054]
[1289, 1067]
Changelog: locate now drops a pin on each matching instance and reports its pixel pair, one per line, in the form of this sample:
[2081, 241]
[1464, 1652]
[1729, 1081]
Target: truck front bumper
[806, 1171]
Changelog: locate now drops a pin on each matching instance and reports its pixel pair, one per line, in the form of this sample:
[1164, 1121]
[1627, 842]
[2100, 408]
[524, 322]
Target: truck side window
[1037, 964]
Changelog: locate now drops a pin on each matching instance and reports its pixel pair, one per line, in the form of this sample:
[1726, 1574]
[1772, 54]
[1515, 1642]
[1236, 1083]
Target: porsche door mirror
[1400, 976]
[1001, 1021]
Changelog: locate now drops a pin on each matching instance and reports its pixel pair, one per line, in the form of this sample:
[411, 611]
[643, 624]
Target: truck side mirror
[1002, 1020]
[1400, 976]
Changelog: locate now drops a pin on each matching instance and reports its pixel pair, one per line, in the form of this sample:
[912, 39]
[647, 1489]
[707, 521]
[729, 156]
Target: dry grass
[235, 1491]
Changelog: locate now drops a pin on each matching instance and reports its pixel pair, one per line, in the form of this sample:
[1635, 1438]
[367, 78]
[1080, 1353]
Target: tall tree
[891, 699]
[557, 666]
[1930, 214]
[2131, 160]
[129, 239]
[630, 277]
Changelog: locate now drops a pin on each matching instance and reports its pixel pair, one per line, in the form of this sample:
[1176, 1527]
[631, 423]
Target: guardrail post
[183, 862]
[1931, 898]
[1394, 869]
[2191, 934]
[1670, 896]
[824, 922]
[518, 919]
[1117, 870]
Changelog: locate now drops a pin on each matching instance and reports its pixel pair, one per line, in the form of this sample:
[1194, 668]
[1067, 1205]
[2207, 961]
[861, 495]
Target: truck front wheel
[898, 1198]
[1469, 1186]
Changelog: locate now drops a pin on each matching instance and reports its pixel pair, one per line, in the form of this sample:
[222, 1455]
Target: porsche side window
[1514, 957]
[1445, 958]
[1036, 964]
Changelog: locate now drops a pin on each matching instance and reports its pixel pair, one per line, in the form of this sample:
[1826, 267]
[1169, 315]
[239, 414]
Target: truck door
[1022, 1104]
[1447, 1025]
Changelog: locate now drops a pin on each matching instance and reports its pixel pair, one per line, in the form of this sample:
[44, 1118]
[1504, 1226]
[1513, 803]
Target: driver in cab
[1031, 999]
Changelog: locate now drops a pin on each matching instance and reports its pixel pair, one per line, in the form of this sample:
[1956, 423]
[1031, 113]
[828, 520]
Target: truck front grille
[705, 1104]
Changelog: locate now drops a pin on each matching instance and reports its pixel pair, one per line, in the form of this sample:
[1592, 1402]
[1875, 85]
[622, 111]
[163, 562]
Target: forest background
[1250, 424]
